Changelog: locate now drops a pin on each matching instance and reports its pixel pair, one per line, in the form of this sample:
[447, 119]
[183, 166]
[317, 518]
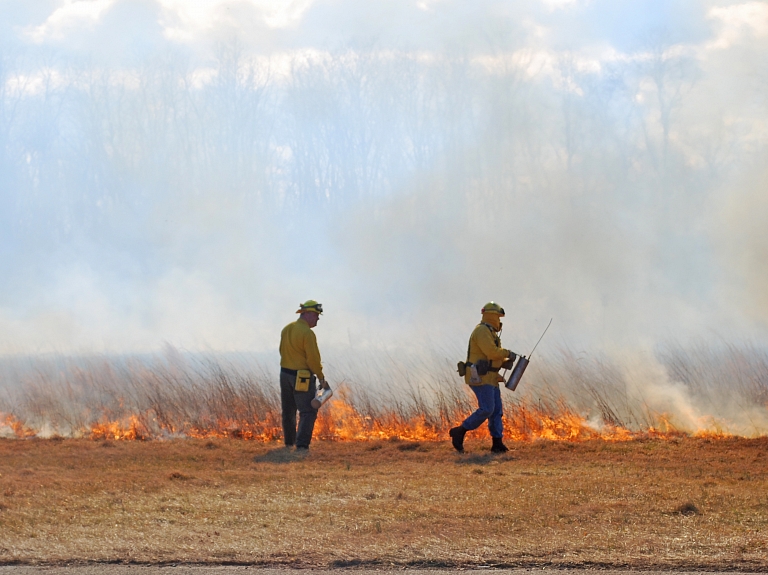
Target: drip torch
[522, 363]
[323, 396]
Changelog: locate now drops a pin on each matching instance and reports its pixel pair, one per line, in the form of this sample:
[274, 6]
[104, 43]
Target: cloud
[102, 32]
[738, 22]
[562, 4]
[258, 24]
[71, 17]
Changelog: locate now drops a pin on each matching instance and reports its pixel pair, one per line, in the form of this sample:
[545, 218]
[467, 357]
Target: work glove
[510, 361]
[324, 384]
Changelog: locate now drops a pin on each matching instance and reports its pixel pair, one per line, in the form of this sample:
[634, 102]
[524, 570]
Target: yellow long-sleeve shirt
[485, 344]
[298, 348]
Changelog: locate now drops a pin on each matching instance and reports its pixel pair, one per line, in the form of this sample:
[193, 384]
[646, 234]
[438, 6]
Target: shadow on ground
[281, 455]
[482, 458]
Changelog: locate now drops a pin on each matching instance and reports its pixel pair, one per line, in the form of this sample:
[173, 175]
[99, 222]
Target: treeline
[78, 142]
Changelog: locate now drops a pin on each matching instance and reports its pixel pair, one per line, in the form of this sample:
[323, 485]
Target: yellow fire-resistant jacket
[484, 343]
[298, 348]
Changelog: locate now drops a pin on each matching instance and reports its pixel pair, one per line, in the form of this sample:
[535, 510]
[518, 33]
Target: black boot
[498, 446]
[457, 437]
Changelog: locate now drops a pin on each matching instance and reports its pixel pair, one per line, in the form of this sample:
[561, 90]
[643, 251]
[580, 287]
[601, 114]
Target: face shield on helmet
[493, 307]
[310, 305]
[492, 314]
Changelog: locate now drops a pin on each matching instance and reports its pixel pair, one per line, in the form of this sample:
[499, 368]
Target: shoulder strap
[493, 333]
[490, 328]
[496, 337]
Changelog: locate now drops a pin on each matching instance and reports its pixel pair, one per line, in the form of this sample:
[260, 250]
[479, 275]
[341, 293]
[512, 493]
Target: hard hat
[310, 305]
[493, 307]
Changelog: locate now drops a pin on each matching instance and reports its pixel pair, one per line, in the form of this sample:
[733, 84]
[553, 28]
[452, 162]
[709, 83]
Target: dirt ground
[682, 504]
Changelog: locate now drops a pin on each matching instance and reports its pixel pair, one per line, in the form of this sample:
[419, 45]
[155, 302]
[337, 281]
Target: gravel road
[108, 569]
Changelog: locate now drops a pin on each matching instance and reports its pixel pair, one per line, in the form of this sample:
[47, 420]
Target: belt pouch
[303, 376]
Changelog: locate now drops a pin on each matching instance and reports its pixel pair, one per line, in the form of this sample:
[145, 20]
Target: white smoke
[189, 172]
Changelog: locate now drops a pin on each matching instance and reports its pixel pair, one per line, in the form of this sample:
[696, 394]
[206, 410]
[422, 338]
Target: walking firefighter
[485, 357]
[300, 368]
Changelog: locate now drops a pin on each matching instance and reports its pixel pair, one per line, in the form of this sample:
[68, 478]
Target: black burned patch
[178, 476]
[688, 509]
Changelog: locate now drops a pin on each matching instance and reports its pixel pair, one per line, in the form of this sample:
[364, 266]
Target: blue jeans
[488, 407]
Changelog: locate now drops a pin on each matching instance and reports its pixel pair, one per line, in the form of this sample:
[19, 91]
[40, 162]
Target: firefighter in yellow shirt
[485, 357]
[300, 368]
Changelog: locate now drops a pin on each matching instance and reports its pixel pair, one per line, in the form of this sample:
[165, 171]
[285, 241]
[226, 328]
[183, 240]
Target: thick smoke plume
[188, 172]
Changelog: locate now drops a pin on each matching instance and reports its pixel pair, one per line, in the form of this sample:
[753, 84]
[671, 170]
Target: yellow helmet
[493, 307]
[310, 305]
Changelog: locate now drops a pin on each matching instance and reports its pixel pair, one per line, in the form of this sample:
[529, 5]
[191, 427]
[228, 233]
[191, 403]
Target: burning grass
[693, 503]
[340, 419]
[566, 398]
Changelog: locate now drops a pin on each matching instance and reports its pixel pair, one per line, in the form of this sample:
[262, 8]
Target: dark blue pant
[488, 407]
[292, 401]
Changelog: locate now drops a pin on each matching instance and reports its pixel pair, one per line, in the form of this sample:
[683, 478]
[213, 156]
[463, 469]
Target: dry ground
[683, 503]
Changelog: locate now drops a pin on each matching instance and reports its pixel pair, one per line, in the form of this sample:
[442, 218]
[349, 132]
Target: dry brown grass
[692, 503]
[417, 396]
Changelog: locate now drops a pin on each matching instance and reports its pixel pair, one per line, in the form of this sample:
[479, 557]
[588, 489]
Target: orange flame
[130, 430]
[19, 428]
[340, 420]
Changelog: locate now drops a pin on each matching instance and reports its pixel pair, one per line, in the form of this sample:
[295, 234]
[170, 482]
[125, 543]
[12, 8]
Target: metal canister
[321, 398]
[517, 373]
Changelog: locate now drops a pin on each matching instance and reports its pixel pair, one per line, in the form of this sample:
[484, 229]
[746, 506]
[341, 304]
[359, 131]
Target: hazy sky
[188, 172]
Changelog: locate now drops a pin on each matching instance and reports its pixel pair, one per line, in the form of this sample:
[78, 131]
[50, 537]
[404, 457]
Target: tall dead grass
[699, 389]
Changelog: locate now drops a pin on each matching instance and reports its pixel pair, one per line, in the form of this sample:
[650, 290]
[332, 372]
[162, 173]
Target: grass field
[705, 390]
[681, 503]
